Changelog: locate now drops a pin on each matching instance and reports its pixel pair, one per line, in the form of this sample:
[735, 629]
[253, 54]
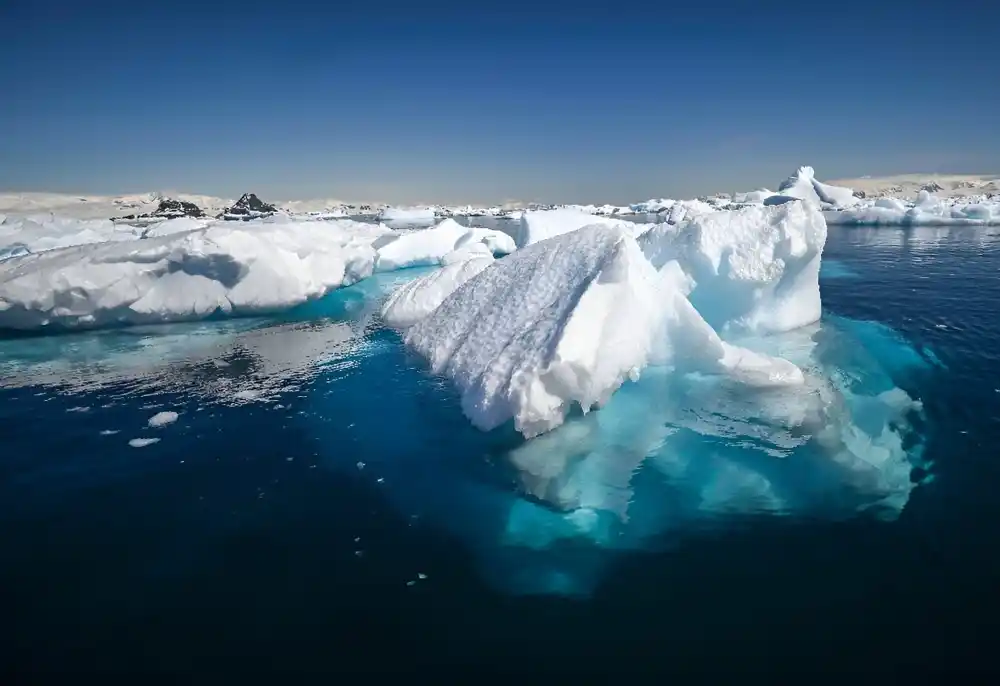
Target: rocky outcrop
[170, 209]
[248, 207]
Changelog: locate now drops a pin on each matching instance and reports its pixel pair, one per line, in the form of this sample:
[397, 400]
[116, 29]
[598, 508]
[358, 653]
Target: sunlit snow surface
[666, 457]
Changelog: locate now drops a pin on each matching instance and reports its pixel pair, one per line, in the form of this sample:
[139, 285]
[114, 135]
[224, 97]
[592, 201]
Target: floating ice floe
[427, 247]
[161, 419]
[927, 210]
[223, 269]
[538, 225]
[407, 215]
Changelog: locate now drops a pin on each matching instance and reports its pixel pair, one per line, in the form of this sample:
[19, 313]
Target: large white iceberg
[563, 323]
[560, 322]
[225, 268]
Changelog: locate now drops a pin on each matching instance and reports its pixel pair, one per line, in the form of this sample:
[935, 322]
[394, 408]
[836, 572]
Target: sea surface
[321, 504]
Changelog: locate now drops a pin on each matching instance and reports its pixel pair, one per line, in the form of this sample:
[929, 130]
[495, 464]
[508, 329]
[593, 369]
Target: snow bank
[429, 246]
[756, 268]
[172, 226]
[35, 233]
[417, 299]
[250, 268]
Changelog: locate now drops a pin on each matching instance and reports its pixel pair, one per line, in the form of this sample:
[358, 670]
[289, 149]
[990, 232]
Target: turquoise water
[321, 500]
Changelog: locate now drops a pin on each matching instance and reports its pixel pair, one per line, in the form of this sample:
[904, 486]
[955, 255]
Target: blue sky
[466, 102]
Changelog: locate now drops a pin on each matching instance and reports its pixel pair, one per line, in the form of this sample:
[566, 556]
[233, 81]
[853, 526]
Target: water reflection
[230, 361]
[833, 445]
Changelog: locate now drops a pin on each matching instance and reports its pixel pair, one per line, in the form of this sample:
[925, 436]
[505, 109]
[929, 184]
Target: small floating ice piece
[143, 442]
[162, 419]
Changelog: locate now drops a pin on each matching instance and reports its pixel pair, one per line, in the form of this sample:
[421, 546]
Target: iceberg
[755, 268]
[562, 321]
[804, 186]
[222, 269]
[427, 247]
[416, 299]
[38, 232]
[567, 320]
[541, 224]
[927, 210]
[404, 215]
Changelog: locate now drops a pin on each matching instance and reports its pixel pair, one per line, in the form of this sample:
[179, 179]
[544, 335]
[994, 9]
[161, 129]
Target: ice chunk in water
[162, 419]
[563, 321]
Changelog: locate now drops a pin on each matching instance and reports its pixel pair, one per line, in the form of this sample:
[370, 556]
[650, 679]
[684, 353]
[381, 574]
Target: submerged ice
[702, 345]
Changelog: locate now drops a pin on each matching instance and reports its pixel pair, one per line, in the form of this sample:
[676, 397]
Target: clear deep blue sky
[448, 102]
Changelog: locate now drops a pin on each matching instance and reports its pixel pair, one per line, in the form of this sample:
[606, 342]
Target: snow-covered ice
[926, 210]
[541, 224]
[415, 300]
[565, 320]
[429, 246]
[407, 215]
[755, 268]
[804, 186]
[227, 269]
[38, 232]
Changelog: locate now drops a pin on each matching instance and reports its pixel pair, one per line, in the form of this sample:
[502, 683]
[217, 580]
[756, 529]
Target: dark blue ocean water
[321, 504]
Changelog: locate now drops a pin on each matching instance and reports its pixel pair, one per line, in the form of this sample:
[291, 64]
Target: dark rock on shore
[170, 209]
[248, 207]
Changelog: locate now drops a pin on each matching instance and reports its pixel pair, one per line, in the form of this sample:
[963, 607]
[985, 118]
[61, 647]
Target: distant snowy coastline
[912, 199]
